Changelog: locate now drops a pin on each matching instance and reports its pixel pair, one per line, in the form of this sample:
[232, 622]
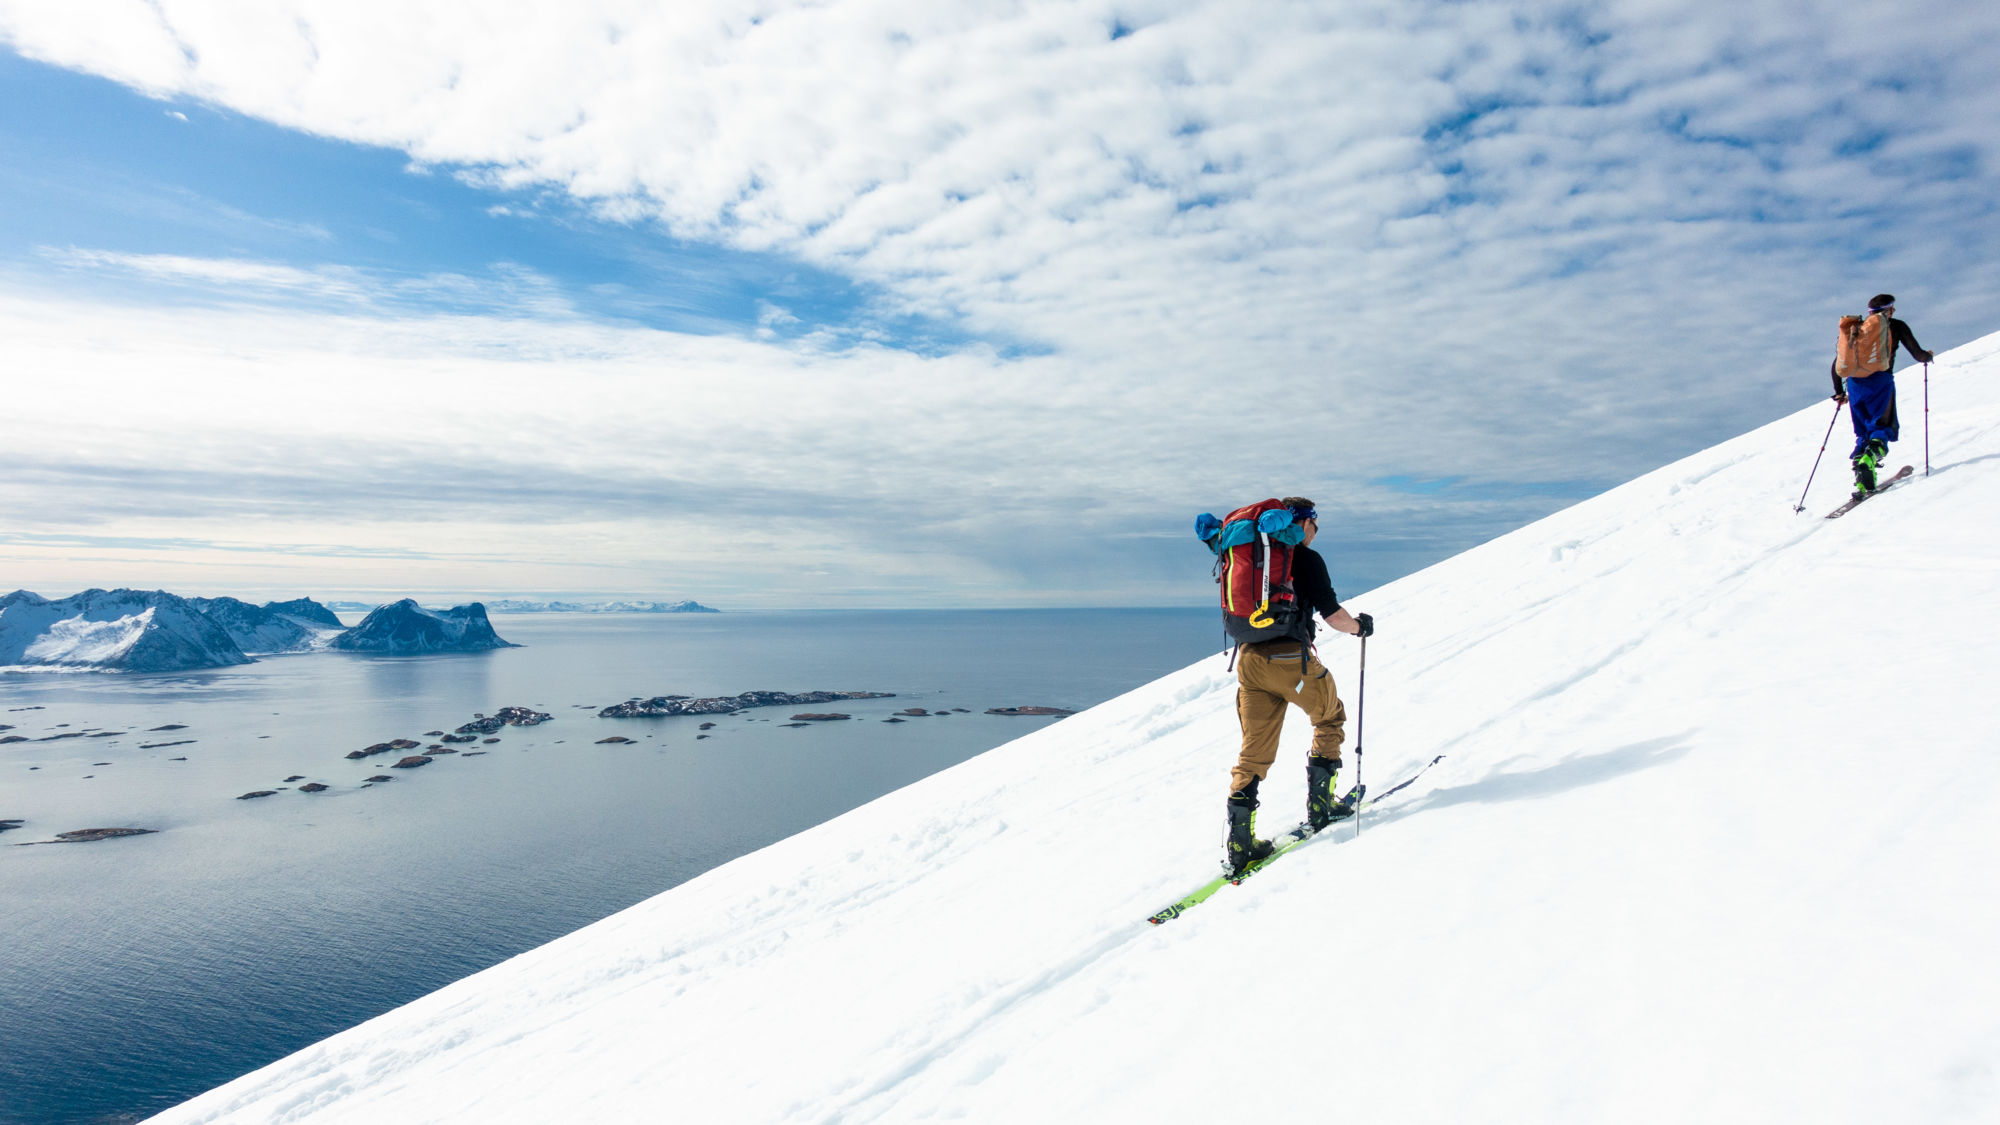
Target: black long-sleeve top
[1311, 583]
[1900, 335]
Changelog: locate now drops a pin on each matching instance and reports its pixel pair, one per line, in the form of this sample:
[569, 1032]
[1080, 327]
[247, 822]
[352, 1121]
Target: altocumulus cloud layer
[1444, 265]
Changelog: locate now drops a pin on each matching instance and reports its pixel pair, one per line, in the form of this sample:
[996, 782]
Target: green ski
[1279, 846]
[1200, 895]
[1353, 801]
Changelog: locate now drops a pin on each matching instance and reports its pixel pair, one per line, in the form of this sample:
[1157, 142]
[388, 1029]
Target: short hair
[1297, 503]
[1881, 301]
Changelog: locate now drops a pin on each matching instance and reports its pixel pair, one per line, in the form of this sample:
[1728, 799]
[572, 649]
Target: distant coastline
[156, 631]
[519, 605]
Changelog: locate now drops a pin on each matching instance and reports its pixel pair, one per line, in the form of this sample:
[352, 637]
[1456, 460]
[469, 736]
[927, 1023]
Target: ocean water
[138, 972]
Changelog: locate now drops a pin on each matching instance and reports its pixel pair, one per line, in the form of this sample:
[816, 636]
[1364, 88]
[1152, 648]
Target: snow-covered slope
[1712, 842]
[124, 630]
[406, 628]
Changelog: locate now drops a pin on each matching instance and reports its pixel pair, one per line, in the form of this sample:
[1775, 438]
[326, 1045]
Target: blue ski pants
[1871, 403]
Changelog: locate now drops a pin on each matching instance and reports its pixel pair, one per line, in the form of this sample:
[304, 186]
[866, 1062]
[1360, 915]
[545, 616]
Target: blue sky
[918, 304]
[96, 164]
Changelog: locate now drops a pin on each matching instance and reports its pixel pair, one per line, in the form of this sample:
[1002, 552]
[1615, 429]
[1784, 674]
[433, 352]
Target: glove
[1927, 357]
[1840, 396]
[1367, 624]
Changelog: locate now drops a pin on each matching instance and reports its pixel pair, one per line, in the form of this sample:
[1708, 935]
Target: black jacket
[1900, 335]
[1313, 587]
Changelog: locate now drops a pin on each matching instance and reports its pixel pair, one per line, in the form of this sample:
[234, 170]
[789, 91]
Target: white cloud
[538, 453]
[235, 276]
[507, 290]
[1330, 241]
[1014, 164]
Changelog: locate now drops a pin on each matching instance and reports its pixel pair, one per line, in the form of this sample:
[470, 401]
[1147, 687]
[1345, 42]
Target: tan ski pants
[1267, 678]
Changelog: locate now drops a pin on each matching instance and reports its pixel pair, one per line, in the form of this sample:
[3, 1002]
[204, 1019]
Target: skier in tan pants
[1268, 678]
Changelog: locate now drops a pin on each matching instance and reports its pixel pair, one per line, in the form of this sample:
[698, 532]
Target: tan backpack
[1864, 346]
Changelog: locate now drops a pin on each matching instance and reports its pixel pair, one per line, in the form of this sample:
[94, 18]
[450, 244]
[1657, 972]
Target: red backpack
[1253, 546]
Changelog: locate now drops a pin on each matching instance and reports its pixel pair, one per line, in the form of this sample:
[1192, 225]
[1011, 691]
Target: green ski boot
[1866, 466]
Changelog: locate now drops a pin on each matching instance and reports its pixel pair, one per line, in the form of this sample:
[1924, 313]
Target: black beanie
[1881, 301]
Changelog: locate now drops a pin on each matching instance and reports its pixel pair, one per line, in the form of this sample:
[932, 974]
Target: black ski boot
[1243, 848]
[1323, 801]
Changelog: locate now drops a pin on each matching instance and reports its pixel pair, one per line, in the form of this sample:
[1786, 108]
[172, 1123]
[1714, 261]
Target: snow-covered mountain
[154, 631]
[306, 611]
[1712, 841]
[406, 627]
[297, 627]
[123, 630]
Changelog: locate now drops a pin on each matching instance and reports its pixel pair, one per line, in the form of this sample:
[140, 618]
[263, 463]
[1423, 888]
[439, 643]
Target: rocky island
[663, 705]
[90, 835]
[406, 628]
[384, 748]
[507, 716]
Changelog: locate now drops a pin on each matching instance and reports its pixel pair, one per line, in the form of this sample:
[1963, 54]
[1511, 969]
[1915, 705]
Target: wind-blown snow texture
[1713, 842]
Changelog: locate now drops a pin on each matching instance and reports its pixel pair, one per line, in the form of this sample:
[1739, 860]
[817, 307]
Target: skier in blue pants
[1871, 397]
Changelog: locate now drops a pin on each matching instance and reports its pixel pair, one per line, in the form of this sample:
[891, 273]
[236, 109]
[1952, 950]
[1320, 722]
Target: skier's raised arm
[1908, 340]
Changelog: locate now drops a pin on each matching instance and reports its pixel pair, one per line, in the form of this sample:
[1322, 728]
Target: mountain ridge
[123, 630]
[156, 631]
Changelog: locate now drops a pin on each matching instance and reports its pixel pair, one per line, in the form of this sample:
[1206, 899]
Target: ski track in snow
[1710, 842]
[946, 1041]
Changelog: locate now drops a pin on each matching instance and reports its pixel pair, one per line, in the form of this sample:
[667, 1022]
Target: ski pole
[1927, 417]
[1801, 505]
[1360, 725]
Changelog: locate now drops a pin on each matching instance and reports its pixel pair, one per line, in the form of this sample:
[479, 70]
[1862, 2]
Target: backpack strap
[1262, 616]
